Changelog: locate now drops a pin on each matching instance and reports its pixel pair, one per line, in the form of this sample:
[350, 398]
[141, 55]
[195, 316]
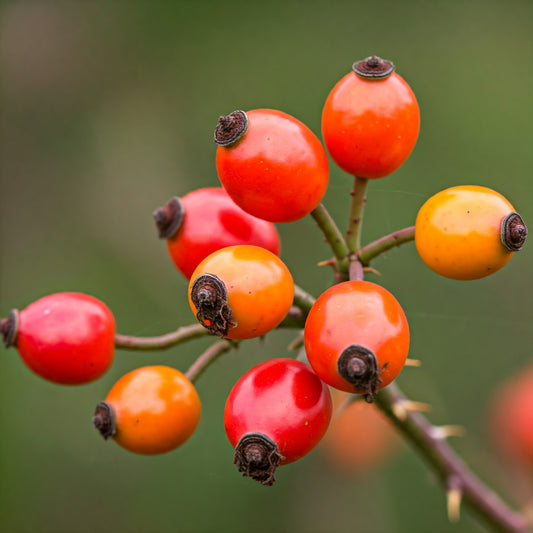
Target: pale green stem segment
[357, 207]
[450, 469]
[303, 300]
[372, 250]
[161, 342]
[208, 357]
[333, 236]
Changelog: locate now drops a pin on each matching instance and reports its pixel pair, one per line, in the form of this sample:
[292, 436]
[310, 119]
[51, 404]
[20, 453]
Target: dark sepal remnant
[168, 218]
[358, 365]
[373, 67]
[513, 232]
[231, 128]
[9, 328]
[257, 456]
[210, 297]
[104, 420]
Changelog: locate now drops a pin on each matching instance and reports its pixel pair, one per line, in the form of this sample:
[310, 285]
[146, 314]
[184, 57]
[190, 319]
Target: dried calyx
[257, 456]
[168, 218]
[513, 232]
[104, 420]
[358, 365]
[231, 128]
[373, 67]
[9, 328]
[210, 297]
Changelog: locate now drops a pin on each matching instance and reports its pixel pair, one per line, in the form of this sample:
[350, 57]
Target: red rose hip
[275, 414]
[271, 164]
[371, 120]
[357, 337]
[66, 338]
[206, 220]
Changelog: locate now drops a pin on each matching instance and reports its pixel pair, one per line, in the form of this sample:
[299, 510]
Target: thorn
[443, 432]
[327, 262]
[454, 496]
[413, 362]
[402, 408]
[370, 270]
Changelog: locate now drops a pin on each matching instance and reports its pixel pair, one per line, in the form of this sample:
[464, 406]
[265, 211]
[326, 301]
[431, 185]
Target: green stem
[372, 250]
[303, 300]
[333, 236]
[295, 319]
[161, 342]
[452, 472]
[356, 271]
[357, 207]
[207, 358]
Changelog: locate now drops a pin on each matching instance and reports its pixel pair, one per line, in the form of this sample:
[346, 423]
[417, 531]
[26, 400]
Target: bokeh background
[108, 110]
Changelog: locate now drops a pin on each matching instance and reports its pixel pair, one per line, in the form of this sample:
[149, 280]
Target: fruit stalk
[208, 357]
[333, 236]
[353, 233]
[161, 342]
[373, 249]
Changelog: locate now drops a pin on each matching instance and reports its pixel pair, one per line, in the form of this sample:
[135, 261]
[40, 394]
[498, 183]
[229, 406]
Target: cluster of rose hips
[274, 169]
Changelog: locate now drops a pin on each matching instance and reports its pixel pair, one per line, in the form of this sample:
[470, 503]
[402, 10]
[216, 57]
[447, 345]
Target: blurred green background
[108, 110]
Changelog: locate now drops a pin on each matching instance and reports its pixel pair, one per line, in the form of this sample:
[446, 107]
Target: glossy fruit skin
[356, 313]
[370, 126]
[213, 221]
[511, 419]
[259, 286]
[278, 170]
[67, 338]
[458, 232]
[284, 400]
[359, 437]
[155, 409]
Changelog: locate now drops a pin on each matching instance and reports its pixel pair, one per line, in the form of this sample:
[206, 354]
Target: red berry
[66, 337]
[357, 337]
[275, 414]
[274, 167]
[209, 220]
[370, 123]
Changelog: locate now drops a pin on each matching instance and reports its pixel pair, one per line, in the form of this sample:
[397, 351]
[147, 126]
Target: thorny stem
[452, 472]
[208, 357]
[353, 233]
[372, 250]
[333, 236]
[161, 342]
